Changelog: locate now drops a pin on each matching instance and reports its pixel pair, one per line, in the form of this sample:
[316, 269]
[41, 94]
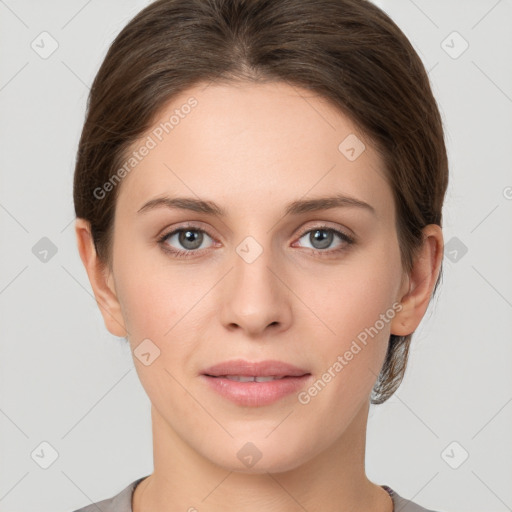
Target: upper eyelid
[325, 227]
[192, 226]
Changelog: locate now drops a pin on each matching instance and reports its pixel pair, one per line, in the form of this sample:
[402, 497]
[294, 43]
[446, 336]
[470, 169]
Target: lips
[246, 371]
[255, 384]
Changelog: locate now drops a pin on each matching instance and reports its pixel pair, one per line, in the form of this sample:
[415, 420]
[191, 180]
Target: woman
[258, 191]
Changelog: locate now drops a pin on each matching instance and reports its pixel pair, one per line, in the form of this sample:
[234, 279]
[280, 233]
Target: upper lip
[268, 368]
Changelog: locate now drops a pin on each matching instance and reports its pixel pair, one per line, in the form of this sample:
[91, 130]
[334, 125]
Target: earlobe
[101, 280]
[422, 279]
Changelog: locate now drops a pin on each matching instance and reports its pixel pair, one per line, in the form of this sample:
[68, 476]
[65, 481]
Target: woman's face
[265, 281]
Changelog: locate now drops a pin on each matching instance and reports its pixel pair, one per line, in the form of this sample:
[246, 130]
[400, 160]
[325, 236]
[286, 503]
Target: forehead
[239, 141]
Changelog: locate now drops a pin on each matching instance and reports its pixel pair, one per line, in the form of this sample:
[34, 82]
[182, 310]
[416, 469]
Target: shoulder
[404, 505]
[121, 502]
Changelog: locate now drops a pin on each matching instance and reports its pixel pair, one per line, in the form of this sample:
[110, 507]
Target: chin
[260, 455]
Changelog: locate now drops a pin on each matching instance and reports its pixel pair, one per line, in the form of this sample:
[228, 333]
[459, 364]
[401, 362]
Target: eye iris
[325, 240]
[195, 237]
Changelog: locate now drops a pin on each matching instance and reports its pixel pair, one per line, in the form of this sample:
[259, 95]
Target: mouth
[250, 378]
[254, 369]
[255, 384]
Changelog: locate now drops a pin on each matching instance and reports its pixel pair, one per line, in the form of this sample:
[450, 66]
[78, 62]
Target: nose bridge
[256, 297]
[252, 262]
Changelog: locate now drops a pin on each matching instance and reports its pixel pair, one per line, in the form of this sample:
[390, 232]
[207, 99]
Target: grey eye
[189, 239]
[320, 238]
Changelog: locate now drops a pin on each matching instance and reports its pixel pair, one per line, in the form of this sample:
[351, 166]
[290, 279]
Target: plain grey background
[70, 397]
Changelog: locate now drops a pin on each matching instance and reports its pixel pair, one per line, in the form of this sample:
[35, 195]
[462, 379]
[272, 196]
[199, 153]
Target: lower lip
[256, 394]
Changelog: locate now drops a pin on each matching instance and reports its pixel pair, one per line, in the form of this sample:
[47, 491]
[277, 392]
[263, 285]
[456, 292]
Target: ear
[418, 286]
[101, 280]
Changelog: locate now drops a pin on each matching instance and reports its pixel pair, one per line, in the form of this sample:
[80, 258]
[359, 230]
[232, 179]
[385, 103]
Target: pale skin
[253, 149]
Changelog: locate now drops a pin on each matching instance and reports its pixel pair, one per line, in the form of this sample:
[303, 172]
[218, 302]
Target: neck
[332, 481]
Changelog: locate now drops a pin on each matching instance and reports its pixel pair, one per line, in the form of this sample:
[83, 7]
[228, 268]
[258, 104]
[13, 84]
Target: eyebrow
[294, 208]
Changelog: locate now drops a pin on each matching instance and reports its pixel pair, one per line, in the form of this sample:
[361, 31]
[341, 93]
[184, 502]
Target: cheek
[353, 297]
[356, 309]
[156, 304]
[155, 298]
[149, 306]
[355, 306]
[155, 295]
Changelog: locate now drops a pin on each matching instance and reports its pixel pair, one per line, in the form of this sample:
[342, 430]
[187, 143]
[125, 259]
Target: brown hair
[348, 51]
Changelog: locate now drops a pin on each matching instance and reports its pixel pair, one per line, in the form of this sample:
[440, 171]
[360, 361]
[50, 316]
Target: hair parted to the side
[348, 51]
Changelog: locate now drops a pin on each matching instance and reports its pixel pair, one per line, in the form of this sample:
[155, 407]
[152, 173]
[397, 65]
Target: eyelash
[190, 253]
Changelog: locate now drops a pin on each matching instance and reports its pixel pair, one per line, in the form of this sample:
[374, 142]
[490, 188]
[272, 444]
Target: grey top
[122, 502]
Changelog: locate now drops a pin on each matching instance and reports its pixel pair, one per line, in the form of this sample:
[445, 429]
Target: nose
[255, 297]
